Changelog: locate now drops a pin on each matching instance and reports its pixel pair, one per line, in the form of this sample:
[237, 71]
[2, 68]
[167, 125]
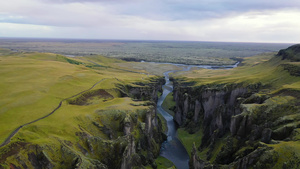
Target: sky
[274, 21]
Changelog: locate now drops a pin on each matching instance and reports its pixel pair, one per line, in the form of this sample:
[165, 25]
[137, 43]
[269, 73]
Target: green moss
[203, 153]
[169, 104]
[163, 163]
[288, 154]
[164, 123]
[293, 69]
[188, 139]
[159, 94]
[217, 149]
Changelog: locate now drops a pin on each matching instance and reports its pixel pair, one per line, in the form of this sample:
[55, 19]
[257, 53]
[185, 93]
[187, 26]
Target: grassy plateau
[275, 103]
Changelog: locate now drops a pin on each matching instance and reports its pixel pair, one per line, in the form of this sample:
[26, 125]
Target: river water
[172, 148]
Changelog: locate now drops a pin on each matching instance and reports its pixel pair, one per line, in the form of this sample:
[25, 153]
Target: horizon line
[139, 40]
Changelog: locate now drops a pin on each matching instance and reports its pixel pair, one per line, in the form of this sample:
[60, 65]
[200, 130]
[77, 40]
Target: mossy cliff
[248, 117]
[210, 106]
[112, 125]
[143, 91]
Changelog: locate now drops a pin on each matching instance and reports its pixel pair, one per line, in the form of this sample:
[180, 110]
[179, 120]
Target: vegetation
[164, 163]
[255, 70]
[188, 139]
[291, 53]
[35, 86]
[169, 104]
[94, 107]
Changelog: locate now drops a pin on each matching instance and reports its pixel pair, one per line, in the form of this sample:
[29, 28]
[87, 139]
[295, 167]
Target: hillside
[246, 117]
[291, 53]
[80, 112]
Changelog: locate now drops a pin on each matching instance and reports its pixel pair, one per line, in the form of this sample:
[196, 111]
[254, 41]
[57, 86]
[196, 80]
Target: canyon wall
[237, 124]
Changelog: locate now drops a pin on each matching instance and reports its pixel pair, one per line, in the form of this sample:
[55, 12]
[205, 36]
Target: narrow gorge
[173, 149]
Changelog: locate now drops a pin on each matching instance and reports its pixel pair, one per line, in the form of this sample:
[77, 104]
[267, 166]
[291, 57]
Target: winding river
[172, 148]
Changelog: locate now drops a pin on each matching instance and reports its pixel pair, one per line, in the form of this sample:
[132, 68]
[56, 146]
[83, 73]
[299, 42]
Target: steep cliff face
[210, 108]
[113, 139]
[143, 91]
[240, 127]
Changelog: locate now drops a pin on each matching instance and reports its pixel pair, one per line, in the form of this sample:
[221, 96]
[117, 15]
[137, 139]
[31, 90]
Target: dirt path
[7, 140]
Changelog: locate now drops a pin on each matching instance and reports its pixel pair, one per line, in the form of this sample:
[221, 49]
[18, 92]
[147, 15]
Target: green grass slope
[33, 84]
[267, 69]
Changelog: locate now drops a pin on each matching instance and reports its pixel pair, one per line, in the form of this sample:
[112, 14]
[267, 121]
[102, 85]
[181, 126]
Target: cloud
[65, 15]
[215, 20]
[24, 30]
[198, 9]
[93, 12]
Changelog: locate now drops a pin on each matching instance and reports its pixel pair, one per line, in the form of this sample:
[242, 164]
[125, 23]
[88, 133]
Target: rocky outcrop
[128, 155]
[195, 162]
[294, 70]
[255, 160]
[143, 91]
[240, 125]
[291, 53]
[127, 125]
